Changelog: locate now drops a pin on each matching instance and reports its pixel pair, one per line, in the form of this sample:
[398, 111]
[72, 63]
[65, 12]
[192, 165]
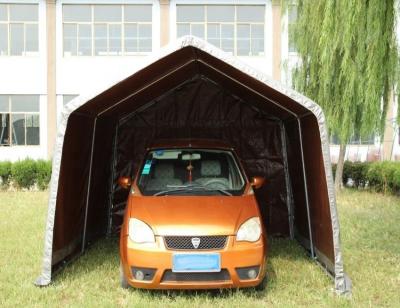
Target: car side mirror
[257, 181]
[124, 182]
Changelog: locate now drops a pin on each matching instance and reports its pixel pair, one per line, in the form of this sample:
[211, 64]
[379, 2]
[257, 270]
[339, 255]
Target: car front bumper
[156, 259]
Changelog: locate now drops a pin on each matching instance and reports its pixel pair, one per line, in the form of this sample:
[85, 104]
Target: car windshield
[190, 172]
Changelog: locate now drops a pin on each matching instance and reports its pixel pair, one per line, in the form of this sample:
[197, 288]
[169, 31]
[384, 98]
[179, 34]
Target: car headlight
[140, 232]
[250, 230]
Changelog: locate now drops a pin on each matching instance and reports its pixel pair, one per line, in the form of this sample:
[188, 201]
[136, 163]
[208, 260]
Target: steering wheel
[216, 184]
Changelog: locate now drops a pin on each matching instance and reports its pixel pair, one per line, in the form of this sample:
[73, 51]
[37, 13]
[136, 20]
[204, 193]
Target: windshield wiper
[222, 191]
[165, 192]
[189, 187]
[196, 186]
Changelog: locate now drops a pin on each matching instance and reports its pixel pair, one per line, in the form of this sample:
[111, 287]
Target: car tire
[122, 279]
[262, 285]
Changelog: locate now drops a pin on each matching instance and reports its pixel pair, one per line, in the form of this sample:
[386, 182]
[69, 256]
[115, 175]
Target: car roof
[190, 143]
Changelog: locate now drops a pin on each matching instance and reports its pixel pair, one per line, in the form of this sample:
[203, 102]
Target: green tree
[348, 64]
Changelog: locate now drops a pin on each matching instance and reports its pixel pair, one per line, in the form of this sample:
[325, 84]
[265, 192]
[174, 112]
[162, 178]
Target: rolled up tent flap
[191, 89]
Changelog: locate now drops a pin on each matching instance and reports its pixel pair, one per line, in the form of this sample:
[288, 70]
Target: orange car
[192, 220]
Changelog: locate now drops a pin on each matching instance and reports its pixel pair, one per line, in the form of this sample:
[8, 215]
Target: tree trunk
[339, 168]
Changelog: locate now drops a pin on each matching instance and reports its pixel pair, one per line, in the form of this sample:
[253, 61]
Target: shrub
[5, 173]
[43, 173]
[24, 173]
[396, 179]
[379, 176]
[346, 172]
[393, 174]
[361, 175]
[355, 171]
[358, 173]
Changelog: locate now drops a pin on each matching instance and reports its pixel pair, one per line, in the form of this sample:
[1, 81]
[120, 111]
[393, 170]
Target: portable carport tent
[191, 89]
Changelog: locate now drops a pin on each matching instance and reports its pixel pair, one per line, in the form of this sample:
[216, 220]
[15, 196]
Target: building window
[19, 29]
[19, 120]
[106, 30]
[398, 134]
[237, 29]
[68, 97]
[292, 19]
[355, 140]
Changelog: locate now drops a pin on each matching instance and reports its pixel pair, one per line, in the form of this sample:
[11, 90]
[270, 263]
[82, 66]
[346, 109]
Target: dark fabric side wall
[210, 63]
[72, 188]
[317, 188]
[97, 217]
[202, 109]
[296, 176]
[178, 65]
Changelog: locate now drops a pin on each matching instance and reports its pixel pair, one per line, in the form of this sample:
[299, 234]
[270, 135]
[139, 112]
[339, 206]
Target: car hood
[194, 215]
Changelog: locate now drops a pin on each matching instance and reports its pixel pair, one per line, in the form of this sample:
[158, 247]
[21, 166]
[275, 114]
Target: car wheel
[262, 285]
[122, 279]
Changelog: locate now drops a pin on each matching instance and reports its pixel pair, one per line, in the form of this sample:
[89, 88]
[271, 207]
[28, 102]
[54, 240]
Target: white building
[51, 51]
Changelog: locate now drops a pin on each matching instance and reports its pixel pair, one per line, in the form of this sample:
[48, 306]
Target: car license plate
[199, 262]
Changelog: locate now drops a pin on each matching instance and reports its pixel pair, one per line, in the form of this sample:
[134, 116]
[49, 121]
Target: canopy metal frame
[342, 283]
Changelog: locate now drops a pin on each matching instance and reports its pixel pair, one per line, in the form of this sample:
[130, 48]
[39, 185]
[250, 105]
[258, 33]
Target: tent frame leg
[88, 186]
[306, 190]
[111, 191]
[289, 199]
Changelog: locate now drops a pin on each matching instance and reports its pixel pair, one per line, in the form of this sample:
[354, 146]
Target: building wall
[27, 75]
[57, 78]
[80, 74]
[263, 63]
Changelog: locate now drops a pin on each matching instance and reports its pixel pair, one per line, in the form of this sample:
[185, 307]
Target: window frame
[235, 24]
[292, 50]
[70, 97]
[93, 23]
[354, 140]
[10, 113]
[398, 134]
[8, 24]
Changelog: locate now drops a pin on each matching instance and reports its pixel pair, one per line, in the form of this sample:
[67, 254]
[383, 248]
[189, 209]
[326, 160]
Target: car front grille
[185, 242]
[223, 275]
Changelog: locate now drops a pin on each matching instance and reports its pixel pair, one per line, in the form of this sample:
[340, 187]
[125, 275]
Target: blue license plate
[202, 262]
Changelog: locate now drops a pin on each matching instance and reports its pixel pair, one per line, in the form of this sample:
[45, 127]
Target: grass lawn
[370, 240]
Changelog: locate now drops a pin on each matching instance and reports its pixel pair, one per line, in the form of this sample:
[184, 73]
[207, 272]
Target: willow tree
[347, 63]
